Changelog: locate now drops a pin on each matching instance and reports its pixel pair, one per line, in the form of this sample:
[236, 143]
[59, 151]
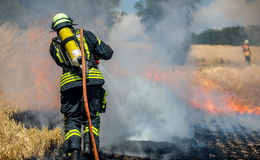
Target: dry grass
[18, 142]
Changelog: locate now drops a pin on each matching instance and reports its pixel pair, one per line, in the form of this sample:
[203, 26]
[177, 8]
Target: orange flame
[33, 74]
[244, 109]
[206, 95]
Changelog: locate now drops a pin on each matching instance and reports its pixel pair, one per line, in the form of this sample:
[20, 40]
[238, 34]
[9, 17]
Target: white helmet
[61, 20]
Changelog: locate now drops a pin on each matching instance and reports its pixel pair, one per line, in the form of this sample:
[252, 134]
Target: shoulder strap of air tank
[68, 39]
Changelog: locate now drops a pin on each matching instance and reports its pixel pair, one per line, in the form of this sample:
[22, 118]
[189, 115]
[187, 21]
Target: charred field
[27, 133]
[206, 144]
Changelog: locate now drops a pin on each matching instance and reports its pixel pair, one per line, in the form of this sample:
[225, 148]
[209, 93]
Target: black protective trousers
[72, 106]
[248, 59]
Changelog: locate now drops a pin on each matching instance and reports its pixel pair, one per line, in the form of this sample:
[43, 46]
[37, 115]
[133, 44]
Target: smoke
[143, 104]
[168, 23]
[140, 108]
[222, 13]
[97, 16]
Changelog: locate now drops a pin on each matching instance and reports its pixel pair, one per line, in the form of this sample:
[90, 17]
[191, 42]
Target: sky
[216, 14]
[128, 5]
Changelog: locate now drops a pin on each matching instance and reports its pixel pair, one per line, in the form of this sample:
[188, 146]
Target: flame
[244, 109]
[43, 84]
[221, 103]
[29, 68]
[202, 94]
[41, 69]
[232, 104]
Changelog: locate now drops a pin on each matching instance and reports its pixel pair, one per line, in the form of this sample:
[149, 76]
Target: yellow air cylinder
[71, 45]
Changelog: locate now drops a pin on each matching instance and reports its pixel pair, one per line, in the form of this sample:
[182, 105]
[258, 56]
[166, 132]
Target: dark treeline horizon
[233, 35]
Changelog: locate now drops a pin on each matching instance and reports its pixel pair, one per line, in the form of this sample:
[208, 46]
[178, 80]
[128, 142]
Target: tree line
[234, 35]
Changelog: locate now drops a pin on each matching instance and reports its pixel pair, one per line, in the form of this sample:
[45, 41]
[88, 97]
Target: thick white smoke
[139, 108]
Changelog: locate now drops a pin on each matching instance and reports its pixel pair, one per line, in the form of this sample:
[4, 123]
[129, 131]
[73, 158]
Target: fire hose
[84, 71]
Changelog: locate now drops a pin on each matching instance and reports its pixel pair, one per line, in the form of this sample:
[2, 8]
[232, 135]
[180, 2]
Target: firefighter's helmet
[61, 20]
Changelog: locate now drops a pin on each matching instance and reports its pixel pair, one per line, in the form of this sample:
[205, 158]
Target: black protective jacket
[71, 76]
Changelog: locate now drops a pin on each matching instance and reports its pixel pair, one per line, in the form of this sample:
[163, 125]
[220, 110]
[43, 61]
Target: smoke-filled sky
[154, 41]
[222, 13]
[209, 14]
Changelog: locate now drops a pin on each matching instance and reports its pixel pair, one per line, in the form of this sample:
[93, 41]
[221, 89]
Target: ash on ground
[206, 144]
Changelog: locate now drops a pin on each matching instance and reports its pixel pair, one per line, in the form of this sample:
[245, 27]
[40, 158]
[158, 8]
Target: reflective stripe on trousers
[73, 132]
[94, 130]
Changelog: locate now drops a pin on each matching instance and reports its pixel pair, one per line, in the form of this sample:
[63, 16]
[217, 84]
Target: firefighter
[71, 83]
[247, 52]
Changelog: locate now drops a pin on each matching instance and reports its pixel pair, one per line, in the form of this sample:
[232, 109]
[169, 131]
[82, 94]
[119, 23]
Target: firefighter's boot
[75, 155]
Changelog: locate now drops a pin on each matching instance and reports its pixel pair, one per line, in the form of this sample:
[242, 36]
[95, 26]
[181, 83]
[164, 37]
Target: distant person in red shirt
[247, 51]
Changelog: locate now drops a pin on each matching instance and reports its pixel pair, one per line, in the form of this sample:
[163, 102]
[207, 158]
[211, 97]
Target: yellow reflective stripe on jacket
[69, 75]
[86, 47]
[104, 102]
[85, 43]
[99, 41]
[94, 130]
[58, 55]
[95, 77]
[73, 132]
[68, 81]
[94, 70]
[94, 73]
[67, 78]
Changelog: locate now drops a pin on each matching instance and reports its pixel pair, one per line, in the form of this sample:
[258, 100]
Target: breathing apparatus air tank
[70, 44]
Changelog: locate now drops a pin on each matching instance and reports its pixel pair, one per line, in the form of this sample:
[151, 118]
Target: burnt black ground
[206, 144]
[38, 119]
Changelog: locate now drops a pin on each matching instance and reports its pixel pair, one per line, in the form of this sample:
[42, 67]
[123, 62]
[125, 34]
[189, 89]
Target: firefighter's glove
[103, 99]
